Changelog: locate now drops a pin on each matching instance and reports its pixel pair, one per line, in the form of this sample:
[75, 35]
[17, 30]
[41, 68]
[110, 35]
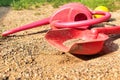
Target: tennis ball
[100, 8]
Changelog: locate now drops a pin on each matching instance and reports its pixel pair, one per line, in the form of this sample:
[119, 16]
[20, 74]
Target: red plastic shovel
[73, 15]
[85, 42]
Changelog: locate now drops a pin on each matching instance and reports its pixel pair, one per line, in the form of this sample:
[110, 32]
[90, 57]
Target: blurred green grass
[29, 4]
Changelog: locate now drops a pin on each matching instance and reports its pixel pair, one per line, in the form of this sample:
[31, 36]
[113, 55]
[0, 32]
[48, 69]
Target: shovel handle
[107, 30]
[28, 26]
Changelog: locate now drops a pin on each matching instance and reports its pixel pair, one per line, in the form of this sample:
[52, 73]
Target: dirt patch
[27, 55]
[70, 42]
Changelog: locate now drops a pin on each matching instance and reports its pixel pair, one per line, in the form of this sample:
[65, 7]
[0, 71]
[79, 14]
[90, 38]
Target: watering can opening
[80, 17]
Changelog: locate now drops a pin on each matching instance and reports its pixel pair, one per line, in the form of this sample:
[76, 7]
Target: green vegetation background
[29, 4]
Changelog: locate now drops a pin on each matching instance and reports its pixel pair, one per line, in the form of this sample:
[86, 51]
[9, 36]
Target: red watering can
[72, 15]
[85, 42]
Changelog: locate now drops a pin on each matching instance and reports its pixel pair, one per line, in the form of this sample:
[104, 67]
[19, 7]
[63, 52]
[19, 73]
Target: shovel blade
[89, 46]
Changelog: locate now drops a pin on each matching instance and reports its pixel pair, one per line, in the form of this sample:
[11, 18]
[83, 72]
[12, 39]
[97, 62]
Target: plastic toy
[101, 8]
[86, 42]
[72, 15]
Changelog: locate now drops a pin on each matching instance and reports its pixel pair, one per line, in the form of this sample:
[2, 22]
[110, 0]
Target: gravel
[27, 56]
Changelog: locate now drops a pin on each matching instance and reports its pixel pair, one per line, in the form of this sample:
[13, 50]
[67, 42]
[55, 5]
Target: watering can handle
[107, 30]
[78, 24]
[28, 26]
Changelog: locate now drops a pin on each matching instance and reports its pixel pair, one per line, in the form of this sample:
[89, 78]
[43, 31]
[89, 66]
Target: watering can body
[70, 13]
[76, 15]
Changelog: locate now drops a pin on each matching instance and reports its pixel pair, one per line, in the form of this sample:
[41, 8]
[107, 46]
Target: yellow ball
[101, 8]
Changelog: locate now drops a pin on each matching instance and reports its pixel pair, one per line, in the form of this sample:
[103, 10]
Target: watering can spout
[28, 26]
